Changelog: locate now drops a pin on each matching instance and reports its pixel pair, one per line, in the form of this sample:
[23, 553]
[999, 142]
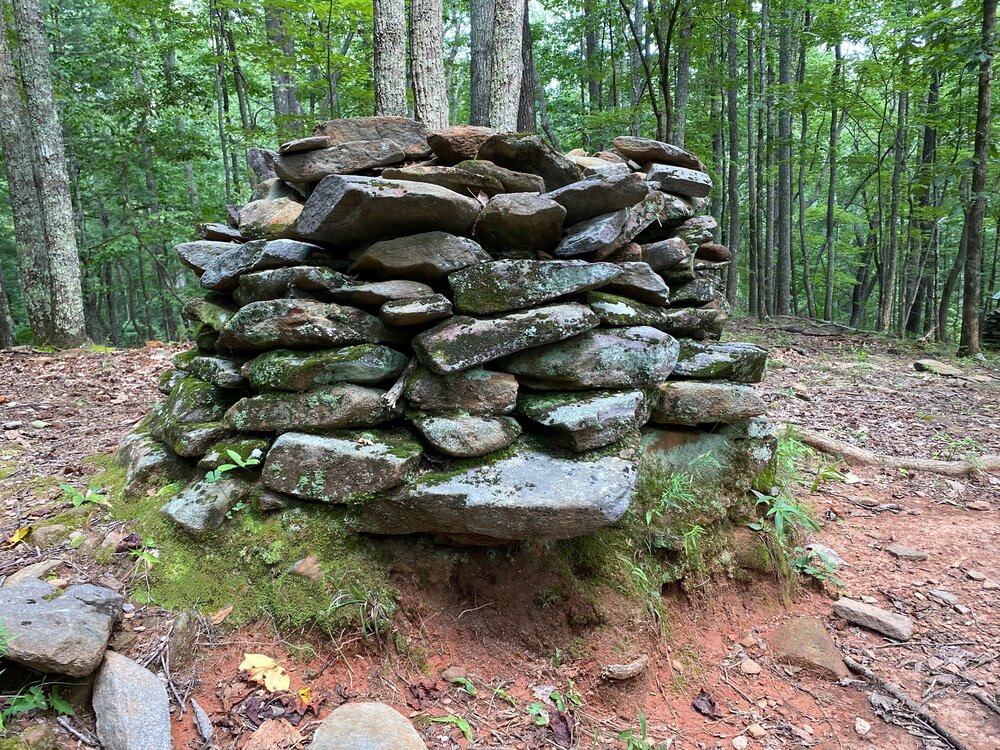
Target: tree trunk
[591, 56]
[430, 96]
[287, 110]
[783, 275]
[830, 242]
[390, 57]
[50, 168]
[753, 223]
[800, 79]
[481, 17]
[526, 116]
[29, 234]
[732, 180]
[948, 289]
[6, 321]
[682, 90]
[890, 257]
[972, 300]
[505, 64]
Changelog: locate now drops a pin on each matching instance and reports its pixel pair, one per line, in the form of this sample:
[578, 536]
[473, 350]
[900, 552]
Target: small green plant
[34, 699]
[465, 683]
[238, 462]
[637, 740]
[959, 448]
[148, 554]
[539, 714]
[455, 721]
[571, 698]
[782, 518]
[808, 563]
[92, 495]
[677, 494]
[235, 509]
[826, 473]
[505, 696]
[691, 539]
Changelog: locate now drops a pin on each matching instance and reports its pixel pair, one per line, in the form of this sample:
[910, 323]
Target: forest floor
[56, 409]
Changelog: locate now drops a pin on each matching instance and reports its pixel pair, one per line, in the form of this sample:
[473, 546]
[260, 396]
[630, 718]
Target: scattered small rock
[861, 726]
[936, 367]
[943, 596]
[906, 553]
[740, 743]
[625, 671]
[756, 730]
[979, 505]
[131, 705]
[975, 575]
[895, 626]
[804, 642]
[749, 667]
[34, 572]
[829, 555]
[275, 734]
[453, 673]
[366, 725]
[991, 584]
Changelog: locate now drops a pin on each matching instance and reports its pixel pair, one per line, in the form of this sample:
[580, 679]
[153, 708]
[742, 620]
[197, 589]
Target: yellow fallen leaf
[305, 695]
[18, 536]
[217, 617]
[265, 671]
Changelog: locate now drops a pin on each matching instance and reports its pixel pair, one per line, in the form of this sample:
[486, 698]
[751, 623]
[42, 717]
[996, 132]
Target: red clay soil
[479, 614]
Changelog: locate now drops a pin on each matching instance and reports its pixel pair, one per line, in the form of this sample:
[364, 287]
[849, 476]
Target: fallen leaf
[705, 705]
[217, 618]
[265, 671]
[18, 537]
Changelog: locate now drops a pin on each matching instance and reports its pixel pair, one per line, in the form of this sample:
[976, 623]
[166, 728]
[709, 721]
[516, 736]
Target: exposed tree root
[827, 444]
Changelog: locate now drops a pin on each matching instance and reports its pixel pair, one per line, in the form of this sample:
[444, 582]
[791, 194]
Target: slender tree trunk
[43, 120]
[390, 57]
[890, 258]
[972, 300]
[526, 116]
[505, 64]
[753, 221]
[732, 180]
[6, 321]
[800, 79]
[682, 90]
[24, 189]
[830, 242]
[636, 30]
[783, 276]
[287, 110]
[591, 60]
[430, 97]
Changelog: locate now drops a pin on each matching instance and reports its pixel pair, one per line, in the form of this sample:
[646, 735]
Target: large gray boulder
[270, 219]
[693, 293]
[458, 142]
[735, 361]
[526, 152]
[347, 210]
[463, 342]
[427, 257]
[332, 407]
[344, 158]
[189, 419]
[202, 507]
[617, 311]
[144, 458]
[679, 180]
[58, 632]
[336, 469]
[526, 494]
[366, 726]
[409, 135]
[666, 254]
[506, 285]
[604, 358]
[640, 282]
[597, 235]
[200, 254]
[520, 221]
[691, 402]
[223, 372]
[588, 420]
[131, 706]
[512, 181]
[599, 195]
[300, 324]
[461, 181]
[287, 370]
[475, 391]
[416, 311]
[465, 435]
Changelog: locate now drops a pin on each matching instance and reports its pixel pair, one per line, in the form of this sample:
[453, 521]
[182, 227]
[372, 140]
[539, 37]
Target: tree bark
[505, 64]
[890, 256]
[682, 89]
[732, 180]
[29, 234]
[430, 96]
[526, 115]
[68, 327]
[287, 110]
[783, 275]
[972, 300]
[830, 243]
[390, 57]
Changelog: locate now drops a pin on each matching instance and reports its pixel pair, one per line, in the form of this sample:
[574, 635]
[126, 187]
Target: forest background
[849, 142]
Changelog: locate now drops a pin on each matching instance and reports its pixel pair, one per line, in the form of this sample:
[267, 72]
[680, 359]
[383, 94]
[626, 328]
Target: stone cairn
[455, 332]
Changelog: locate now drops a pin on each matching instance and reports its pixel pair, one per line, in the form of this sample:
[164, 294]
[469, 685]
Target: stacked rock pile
[458, 332]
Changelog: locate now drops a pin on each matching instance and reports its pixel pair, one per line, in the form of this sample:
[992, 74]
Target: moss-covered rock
[247, 448]
[332, 407]
[462, 435]
[588, 420]
[692, 402]
[287, 370]
[734, 361]
[300, 324]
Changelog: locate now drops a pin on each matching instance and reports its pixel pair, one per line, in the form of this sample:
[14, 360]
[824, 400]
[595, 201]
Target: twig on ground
[85, 738]
[983, 698]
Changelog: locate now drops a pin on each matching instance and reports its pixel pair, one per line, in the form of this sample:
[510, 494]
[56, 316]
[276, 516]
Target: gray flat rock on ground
[366, 726]
[131, 705]
[906, 553]
[895, 626]
[60, 632]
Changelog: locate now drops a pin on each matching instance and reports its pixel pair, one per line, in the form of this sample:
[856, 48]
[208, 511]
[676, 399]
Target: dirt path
[516, 650]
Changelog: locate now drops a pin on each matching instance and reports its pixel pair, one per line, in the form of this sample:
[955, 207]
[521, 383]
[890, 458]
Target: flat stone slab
[604, 358]
[520, 221]
[415, 311]
[334, 469]
[463, 342]
[458, 142]
[348, 210]
[200, 254]
[692, 402]
[131, 706]
[642, 150]
[804, 642]
[475, 391]
[698, 230]
[938, 368]
[512, 181]
[223, 273]
[665, 254]
[640, 282]
[693, 293]
[202, 507]
[734, 361]
[332, 407]
[366, 726]
[409, 135]
[890, 624]
[465, 435]
[601, 194]
[506, 285]
[903, 552]
[427, 257]
[679, 180]
[525, 495]
[526, 152]
[58, 632]
[461, 181]
[588, 420]
[344, 158]
[299, 323]
[223, 372]
[288, 370]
